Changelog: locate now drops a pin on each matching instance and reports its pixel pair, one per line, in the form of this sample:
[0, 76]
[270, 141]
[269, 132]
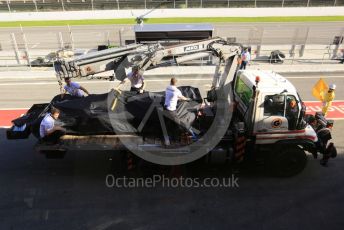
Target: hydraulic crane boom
[146, 57]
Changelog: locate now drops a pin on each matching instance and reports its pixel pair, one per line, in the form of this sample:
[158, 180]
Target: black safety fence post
[302, 50]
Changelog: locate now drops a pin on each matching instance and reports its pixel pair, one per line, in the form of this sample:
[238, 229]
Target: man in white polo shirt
[48, 131]
[74, 88]
[172, 95]
[136, 79]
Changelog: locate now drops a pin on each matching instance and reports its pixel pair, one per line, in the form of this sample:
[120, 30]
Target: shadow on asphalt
[71, 193]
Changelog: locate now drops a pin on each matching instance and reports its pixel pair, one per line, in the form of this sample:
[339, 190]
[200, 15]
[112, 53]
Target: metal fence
[319, 41]
[69, 5]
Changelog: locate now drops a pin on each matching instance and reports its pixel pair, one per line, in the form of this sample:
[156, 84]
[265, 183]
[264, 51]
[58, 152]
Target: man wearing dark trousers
[48, 131]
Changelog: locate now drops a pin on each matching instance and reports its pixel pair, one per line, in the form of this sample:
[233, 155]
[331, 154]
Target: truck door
[270, 114]
[292, 111]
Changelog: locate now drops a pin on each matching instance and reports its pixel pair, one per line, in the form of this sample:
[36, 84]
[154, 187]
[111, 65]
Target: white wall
[171, 13]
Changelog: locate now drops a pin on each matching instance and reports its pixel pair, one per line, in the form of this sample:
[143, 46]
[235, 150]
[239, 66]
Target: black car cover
[116, 113]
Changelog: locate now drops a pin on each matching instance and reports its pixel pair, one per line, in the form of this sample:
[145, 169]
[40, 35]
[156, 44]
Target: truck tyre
[287, 161]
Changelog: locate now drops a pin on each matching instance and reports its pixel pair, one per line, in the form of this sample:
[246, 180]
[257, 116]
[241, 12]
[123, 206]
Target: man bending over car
[74, 89]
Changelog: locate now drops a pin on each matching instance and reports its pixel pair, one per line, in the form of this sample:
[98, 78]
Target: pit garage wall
[171, 13]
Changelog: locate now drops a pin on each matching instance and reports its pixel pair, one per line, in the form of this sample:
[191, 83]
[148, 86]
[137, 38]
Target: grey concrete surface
[318, 37]
[36, 193]
[29, 91]
[248, 33]
[306, 67]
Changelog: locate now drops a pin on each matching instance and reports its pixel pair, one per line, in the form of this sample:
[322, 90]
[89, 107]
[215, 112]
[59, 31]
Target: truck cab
[273, 114]
[271, 106]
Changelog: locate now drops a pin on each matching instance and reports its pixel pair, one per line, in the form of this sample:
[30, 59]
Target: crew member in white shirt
[172, 95]
[136, 79]
[74, 88]
[48, 131]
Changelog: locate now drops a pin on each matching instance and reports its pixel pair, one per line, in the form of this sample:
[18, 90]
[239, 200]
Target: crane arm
[146, 57]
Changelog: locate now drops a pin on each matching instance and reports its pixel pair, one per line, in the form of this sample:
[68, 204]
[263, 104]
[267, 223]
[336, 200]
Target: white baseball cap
[332, 86]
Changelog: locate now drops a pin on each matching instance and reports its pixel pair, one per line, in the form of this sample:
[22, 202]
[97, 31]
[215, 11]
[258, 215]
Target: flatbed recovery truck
[246, 112]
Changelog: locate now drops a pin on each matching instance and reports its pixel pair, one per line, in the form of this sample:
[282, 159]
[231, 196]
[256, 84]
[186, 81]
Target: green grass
[173, 20]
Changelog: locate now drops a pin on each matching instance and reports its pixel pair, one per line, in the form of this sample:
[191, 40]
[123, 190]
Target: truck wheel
[287, 162]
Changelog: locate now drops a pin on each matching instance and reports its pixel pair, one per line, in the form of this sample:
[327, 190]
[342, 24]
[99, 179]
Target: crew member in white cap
[328, 98]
